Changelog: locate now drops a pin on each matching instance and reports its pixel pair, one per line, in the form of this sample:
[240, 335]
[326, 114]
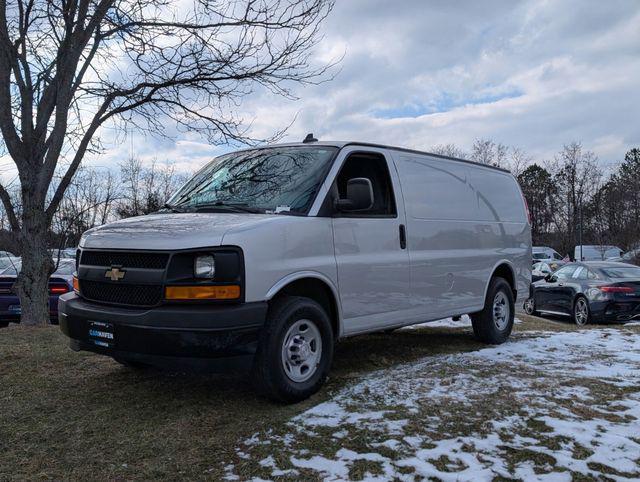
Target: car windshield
[622, 272]
[65, 267]
[540, 256]
[12, 269]
[271, 180]
[6, 262]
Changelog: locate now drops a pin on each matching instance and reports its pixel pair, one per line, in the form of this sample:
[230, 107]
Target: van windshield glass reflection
[273, 180]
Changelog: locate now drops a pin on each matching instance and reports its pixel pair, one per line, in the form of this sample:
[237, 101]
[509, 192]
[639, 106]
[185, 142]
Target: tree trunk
[32, 285]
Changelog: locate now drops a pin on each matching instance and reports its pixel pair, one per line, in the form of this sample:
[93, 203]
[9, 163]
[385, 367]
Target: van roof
[341, 144]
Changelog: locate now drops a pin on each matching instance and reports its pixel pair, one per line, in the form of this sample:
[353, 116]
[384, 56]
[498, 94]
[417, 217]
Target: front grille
[121, 294]
[126, 259]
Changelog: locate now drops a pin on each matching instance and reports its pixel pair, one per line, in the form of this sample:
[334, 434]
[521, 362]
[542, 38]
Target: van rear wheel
[494, 323]
[295, 350]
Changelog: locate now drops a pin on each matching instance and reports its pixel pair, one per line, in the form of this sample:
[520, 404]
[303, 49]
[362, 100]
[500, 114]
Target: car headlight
[205, 266]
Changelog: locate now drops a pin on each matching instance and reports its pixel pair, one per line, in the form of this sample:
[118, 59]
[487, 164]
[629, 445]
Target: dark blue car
[589, 292]
[60, 282]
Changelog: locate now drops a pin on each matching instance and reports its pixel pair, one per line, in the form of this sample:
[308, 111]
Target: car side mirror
[550, 278]
[359, 195]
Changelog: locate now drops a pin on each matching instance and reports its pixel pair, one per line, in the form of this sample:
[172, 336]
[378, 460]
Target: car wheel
[295, 350]
[530, 307]
[4, 324]
[494, 323]
[581, 312]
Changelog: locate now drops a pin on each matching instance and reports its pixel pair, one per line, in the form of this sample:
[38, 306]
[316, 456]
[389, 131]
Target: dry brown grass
[66, 415]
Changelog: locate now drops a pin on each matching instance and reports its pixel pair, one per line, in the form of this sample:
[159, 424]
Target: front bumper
[191, 337]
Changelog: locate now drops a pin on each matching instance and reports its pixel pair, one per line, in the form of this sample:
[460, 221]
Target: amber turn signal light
[229, 292]
[76, 284]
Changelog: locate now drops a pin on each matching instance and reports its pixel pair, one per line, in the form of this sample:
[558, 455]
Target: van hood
[170, 231]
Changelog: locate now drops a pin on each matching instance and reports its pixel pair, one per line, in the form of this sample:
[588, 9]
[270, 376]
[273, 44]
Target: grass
[67, 415]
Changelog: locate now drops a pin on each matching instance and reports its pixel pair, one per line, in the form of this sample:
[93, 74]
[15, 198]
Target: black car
[597, 291]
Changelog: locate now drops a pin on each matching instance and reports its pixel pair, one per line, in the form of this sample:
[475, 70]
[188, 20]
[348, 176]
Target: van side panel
[446, 274]
[501, 207]
[462, 222]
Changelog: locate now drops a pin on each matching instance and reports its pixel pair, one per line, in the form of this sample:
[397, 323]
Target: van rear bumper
[191, 337]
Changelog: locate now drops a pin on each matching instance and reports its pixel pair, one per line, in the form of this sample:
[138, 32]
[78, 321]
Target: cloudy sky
[533, 74]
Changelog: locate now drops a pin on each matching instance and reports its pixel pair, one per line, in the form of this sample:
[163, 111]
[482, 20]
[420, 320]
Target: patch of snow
[463, 322]
[547, 379]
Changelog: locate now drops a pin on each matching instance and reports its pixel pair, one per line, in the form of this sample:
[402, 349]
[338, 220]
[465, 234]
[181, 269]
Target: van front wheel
[295, 350]
[494, 323]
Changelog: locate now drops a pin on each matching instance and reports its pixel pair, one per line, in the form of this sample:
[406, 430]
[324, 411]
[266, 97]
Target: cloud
[533, 74]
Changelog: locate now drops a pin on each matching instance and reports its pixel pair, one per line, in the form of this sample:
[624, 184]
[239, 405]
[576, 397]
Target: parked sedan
[60, 282]
[598, 291]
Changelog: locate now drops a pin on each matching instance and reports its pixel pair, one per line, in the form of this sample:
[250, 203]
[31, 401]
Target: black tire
[269, 373]
[578, 304]
[485, 329]
[4, 324]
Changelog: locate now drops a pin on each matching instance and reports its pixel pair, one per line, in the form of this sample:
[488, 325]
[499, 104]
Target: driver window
[374, 168]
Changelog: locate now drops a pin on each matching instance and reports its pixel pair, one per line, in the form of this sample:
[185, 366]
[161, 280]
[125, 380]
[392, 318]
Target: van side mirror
[359, 195]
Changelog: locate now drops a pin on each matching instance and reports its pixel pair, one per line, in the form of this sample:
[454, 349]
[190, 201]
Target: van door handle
[403, 237]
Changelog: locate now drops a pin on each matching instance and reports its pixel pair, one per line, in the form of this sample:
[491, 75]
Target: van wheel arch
[505, 271]
[316, 290]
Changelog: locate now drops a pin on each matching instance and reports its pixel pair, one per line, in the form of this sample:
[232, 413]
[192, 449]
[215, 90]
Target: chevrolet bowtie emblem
[114, 274]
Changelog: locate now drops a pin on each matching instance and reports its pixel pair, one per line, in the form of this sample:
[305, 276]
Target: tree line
[98, 196]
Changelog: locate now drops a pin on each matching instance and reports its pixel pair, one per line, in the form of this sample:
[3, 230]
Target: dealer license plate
[101, 334]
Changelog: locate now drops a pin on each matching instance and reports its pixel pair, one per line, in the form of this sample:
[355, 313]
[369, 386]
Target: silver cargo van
[269, 256]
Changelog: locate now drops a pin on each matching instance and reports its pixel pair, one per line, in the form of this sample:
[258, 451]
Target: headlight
[204, 267]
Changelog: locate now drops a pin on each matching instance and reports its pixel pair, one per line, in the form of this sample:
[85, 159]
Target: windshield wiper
[172, 208]
[225, 206]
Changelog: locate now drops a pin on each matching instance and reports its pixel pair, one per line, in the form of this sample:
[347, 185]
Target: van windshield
[270, 180]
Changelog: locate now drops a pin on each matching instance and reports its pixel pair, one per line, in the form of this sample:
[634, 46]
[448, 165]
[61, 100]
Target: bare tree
[69, 67]
[518, 161]
[577, 177]
[486, 151]
[146, 189]
[450, 150]
[87, 203]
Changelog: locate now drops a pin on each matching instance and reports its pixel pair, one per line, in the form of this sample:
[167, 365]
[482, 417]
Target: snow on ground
[543, 406]
[463, 322]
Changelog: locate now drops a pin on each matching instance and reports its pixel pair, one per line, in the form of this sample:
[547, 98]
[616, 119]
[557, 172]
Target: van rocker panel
[201, 337]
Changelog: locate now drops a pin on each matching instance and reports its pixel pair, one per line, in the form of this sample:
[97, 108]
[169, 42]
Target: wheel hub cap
[301, 350]
[501, 311]
[581, 312]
